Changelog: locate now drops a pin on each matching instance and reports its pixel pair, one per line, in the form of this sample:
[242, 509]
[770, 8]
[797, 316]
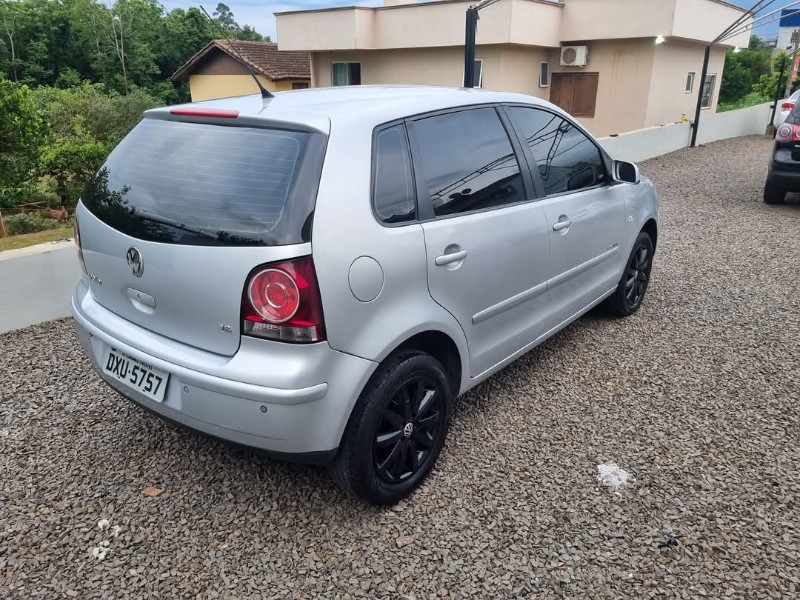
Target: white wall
[647, 143]
[745, 121]
[635, 146]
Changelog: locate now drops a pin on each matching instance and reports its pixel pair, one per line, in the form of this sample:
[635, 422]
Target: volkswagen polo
[320, 274]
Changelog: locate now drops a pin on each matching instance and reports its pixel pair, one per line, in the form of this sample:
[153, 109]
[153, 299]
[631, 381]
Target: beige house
[220, 71]
[618, 65]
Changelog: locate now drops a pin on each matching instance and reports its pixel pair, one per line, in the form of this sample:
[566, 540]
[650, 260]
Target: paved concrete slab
[36, 284]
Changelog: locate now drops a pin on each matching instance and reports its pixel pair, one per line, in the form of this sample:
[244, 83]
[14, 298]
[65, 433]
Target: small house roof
[262, 57]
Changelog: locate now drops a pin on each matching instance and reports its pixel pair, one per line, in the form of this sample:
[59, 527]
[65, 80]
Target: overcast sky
[259, 14]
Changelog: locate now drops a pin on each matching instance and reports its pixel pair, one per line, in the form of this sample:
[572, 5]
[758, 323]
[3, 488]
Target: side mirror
[625, 172]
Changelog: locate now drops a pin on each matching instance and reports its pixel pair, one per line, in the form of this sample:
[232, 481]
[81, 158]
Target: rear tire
[774, 194]
[632, 286]
[396, 431]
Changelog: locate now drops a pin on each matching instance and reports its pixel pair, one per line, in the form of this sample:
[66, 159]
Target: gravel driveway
[696, 397]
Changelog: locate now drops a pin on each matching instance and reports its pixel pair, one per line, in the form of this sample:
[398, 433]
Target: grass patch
[13, 242]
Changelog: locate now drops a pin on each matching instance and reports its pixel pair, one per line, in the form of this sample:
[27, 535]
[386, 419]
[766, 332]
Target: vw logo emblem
[408, 430]
[135, 262]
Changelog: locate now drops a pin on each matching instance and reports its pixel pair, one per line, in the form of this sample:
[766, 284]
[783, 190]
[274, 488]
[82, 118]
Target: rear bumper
[282, 398]
[783, 177]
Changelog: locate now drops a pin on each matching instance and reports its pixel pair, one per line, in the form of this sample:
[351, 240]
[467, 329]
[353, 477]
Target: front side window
[393, 188]
[346, 73]
[708, 91]
[566, 160]
[467, 161]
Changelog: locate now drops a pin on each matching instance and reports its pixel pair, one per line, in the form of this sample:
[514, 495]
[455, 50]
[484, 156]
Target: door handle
[446, 259]
[561, 225]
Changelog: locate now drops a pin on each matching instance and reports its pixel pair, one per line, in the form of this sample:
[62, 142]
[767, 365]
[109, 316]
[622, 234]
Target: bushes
[29, 223]
[750, 99]
[11, 197]
[53, 140]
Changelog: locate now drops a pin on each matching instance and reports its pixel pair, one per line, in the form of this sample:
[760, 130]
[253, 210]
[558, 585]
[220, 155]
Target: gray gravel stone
[696, 396]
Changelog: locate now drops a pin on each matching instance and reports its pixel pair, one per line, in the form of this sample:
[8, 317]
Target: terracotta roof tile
[263, 57]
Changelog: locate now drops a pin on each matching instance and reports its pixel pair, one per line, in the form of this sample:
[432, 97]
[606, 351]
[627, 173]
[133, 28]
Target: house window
[690, 82]
[576, 93]
[708, 91]
[299, 85]
[346, 73]
[478, 72]
[544, 74]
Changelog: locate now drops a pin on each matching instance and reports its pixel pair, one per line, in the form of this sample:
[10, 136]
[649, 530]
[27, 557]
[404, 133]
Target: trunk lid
[181, 213]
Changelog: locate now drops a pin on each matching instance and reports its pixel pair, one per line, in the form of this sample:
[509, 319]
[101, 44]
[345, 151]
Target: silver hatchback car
[320, 274]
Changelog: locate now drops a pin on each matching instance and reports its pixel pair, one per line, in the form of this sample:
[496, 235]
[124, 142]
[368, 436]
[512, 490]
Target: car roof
[317, 108]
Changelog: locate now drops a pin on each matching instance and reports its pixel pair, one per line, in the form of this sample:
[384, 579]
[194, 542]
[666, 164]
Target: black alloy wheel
[632, 286]
[397, 429]
[408, 429]
[637, 275]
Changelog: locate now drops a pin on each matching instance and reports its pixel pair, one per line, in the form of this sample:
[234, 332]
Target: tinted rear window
[191, 183]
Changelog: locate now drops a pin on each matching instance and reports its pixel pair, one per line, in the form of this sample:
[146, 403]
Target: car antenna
[265, 93]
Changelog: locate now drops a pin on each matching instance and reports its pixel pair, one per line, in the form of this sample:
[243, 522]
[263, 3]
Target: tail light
[281, 302]
[78, 245]
[788, 133]
[787, 106]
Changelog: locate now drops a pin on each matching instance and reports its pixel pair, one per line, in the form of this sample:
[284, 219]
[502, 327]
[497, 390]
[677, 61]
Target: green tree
[124, 44]
[86, 122]
[72, 161]
[22, 131]
[743, 69]
[768, 82]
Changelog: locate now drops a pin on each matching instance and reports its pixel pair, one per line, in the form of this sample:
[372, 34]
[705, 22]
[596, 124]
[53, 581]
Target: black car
[784, 166]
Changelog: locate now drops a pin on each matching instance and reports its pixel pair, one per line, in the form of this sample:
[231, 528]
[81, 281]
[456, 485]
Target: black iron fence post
[702, 87]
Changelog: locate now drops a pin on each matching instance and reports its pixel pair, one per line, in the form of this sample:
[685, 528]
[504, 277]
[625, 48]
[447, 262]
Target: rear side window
[393, 188]
[199, 184]
[467, 161]
[566, 159]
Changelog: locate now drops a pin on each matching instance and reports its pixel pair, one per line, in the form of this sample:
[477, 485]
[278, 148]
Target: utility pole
[771, 125]
[469, 47]
[469, 41]
[793, 74]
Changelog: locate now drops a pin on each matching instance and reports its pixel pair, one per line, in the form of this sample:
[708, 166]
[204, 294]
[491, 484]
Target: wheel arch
[651, 229]
[442, 347]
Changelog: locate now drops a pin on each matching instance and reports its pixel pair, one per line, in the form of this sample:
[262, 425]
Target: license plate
[135, 374]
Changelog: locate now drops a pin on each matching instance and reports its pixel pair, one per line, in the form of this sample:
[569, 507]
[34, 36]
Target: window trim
[710, 93]
[374, 175]
[425, 210]
[531, 160]
[546, 84]
[345, 62]
[690, 78]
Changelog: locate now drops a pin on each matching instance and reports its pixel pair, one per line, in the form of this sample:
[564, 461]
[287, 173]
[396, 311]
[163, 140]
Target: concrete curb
[37, 249]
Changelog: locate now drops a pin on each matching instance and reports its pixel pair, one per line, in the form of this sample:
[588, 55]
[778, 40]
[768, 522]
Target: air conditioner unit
[574, 56]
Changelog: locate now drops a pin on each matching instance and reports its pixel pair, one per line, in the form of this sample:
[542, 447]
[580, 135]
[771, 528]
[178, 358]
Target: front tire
[396, 431]
[774, 194]
[628, 296]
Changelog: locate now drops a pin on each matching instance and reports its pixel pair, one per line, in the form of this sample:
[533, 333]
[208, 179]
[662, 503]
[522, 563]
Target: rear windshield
[199, 184]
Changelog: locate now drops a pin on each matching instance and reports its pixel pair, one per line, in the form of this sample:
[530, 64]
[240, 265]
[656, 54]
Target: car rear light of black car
[281, 302]
[788, 133]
